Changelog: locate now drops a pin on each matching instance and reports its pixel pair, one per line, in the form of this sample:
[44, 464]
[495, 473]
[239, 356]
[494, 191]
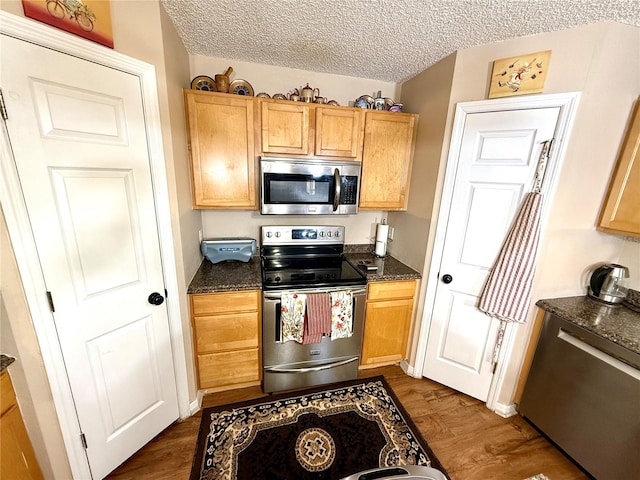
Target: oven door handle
[336, 196]
[275, 296]
[311, 369]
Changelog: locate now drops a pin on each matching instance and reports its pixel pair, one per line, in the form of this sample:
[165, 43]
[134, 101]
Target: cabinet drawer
[7, 395]
[391, 290]
[225, 302]
[228, 368]
[226, 332]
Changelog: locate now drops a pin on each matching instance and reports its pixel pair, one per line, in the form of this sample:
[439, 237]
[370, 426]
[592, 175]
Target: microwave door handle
[336, 196]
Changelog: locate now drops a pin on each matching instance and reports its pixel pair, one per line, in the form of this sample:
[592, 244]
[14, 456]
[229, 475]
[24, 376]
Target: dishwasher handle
[599, 354]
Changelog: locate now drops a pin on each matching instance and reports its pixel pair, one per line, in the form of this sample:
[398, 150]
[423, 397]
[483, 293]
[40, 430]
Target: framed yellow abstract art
[519, 75]
[90, 19]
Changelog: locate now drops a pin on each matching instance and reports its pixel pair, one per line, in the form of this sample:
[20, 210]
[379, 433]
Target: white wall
[272, 79]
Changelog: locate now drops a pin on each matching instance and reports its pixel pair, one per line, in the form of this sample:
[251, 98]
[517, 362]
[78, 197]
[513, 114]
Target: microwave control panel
[348, 190]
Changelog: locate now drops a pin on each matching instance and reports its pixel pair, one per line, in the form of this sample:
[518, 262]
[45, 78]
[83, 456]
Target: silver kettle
[606, 283]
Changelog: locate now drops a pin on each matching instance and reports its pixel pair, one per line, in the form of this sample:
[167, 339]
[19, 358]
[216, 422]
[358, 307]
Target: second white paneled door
[496, 165]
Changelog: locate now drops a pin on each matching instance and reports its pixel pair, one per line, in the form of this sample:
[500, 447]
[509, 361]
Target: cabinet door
[222, 146]
[621, 212]
[285, 128]
[389, 139]
[386, 331]
[387, 322]
[339, 132]
[229, 369]
[18, 457]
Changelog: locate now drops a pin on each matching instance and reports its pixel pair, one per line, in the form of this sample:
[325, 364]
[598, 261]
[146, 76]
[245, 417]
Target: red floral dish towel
[292, 312]
[341, 314]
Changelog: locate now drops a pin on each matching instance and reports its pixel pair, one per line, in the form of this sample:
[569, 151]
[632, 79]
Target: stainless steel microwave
[291, 186]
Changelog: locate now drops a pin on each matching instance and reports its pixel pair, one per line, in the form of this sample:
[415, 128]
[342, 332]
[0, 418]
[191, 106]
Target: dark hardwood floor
[471, 442]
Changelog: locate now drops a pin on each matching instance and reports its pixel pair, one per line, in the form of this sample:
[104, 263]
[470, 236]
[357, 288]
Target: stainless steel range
[303, 263]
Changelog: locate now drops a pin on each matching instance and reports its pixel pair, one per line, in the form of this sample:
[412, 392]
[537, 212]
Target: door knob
[155, 299]
[446, 278]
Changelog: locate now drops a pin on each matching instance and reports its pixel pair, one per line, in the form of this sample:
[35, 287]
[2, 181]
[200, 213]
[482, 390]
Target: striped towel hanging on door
[507, 293]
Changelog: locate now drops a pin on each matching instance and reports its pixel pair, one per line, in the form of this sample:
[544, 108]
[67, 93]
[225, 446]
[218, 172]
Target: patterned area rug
[322, 433]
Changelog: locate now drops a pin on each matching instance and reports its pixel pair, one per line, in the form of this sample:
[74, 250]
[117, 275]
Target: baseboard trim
[505, 410]
[194, 407]
[406, 368]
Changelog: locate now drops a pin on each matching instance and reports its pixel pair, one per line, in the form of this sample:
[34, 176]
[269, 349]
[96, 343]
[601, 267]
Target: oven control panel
[304, 234]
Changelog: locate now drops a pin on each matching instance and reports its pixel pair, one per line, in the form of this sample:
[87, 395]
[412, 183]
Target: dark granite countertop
[5, 361]
[617, 323]
[389, 268]
[227, 276]
[234, 276]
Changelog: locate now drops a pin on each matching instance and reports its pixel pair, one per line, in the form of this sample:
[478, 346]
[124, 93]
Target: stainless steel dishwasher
[583, 392]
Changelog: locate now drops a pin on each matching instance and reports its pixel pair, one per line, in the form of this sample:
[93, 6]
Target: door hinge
[50, 298]
[3, 107]
[83, 439]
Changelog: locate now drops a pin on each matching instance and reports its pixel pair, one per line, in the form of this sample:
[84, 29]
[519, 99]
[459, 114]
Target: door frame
[568, 103]
[23, 242]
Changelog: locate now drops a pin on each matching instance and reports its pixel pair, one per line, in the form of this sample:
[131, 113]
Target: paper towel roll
[381, 240]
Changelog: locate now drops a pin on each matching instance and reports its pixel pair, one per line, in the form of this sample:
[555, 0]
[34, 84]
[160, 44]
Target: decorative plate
[263, 95]
[241, 87]
[203, 83]
[365, 101]
[333, 102]
[279, 96]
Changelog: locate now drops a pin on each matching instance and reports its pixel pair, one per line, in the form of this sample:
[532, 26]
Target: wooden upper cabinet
[389, 139]
[311, 130]
[621, 211]
[221, 130]
[285, 127]
[339, 132]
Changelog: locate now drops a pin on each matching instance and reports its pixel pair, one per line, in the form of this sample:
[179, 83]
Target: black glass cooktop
[309, 272]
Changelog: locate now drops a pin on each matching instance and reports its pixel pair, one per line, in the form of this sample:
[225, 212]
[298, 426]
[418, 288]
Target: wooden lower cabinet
[387, 322]
[226, 339]
[18, 457]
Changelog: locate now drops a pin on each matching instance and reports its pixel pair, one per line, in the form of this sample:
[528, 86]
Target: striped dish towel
[507, 293]
[318, 317]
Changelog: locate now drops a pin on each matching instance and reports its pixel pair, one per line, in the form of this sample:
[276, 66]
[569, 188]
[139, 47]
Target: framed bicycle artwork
[90, 19]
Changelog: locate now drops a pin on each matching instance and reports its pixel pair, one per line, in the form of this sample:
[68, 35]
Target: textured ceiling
[388, 40]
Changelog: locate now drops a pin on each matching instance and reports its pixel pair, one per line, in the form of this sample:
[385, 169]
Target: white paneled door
[496, 166]
[77, 131]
